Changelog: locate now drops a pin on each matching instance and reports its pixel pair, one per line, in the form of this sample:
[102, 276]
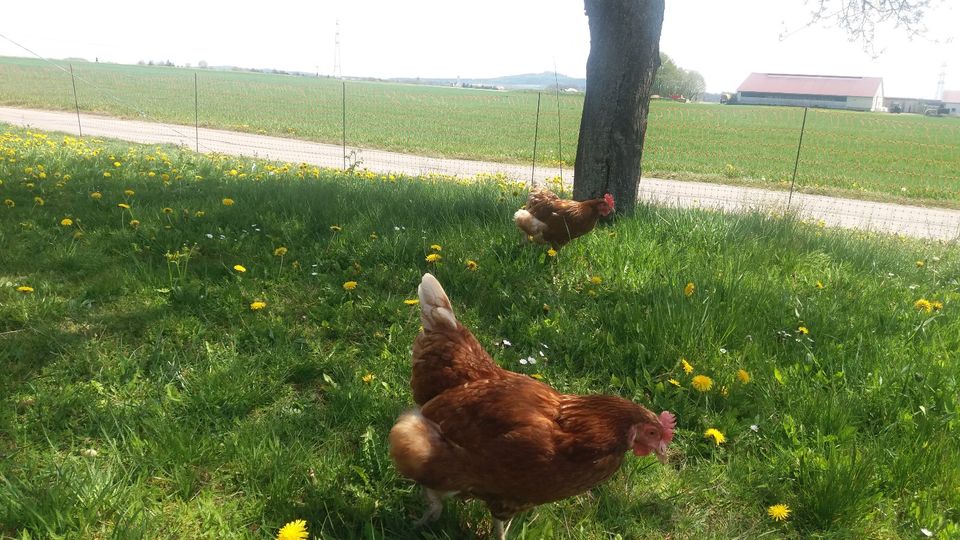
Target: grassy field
[144, 397]
[892, 157]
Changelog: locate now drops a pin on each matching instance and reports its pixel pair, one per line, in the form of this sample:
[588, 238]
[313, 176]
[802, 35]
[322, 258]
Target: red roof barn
[827, 91]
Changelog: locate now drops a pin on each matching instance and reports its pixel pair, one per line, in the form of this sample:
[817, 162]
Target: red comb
[669, 422]
[608, 198]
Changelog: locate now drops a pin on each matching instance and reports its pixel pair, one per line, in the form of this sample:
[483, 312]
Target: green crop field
[209, 347]
[870, 155]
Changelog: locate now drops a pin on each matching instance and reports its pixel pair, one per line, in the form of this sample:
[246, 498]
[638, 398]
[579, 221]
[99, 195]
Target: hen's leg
[434, 500]
[500, 529]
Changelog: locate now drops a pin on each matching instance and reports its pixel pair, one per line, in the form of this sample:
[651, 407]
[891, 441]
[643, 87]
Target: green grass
[878, 156]
[212, 420]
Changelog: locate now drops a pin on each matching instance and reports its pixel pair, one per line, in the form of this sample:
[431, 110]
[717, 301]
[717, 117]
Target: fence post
[796, 163]
[536, 134]
[76, 101]
[343, 119]
[196, 109]
[559, 141]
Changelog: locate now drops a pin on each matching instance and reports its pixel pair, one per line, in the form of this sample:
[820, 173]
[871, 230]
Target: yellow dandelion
[803, 330]
[39, 201]
[779, 512]
[596, 280]
[349, 285]
[257, 305]
[551, 252]
[200, 213]
[743, 376]
[129, 192]
[280, 251]
[724, 391]
[689, 289]
[687, 368]
[116, 163]
[106, 174]
[920, 264]
[923, 305]
[239, 268]
[411, 301]
[96, 195]
[42, 175]
[702, 383]
[373, 236]
[715, 434]
[124, 206]
[234, 172]
[820, 284]
[66, 222]
[674, 382]
[151, 174]
[472, 265]
[295, 530]
[134, 223]
[26, 289]
[9, 203]
[537, 376]
[168, 210]
[227, 202]
[436, 247]
[336, 228]
[433, 257]
[368, 378]
[936, 305]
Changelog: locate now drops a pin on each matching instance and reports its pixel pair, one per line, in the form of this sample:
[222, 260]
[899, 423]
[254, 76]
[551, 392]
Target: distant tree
[621, 69]
[202, 64]
[674, 80]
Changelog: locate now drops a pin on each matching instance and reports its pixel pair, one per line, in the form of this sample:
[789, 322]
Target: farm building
[951, 102]
[825, 91]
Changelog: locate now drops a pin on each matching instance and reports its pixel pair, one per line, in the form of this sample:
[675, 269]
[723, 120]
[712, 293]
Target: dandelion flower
[551, 252]
[124, 206]
[26, 289]
[803, 330]
[200, 213]
[368, 378]
[689, 289]
[778, 512]
[743, 376]
[336, 228]
[295, 530]
[39, 201]
[674, 382]
[280, 251]
[715, 434]
[472, 265]
[820, 284]
[9, 203]
[134, 223]
[702, 383]
[234, 172]
[411, 301]
[373, 236]
[436, 247]
[596, 280]
[687, 368]
[923, 305]
[96, 195]
[239, 268]
[936, 305]
[257, 305]
[349, 285]
[433, 257]
[116, 163]
[129, 192]
[168, 210]
[920, 264]
[66, 222]
[106, 174]
[227, 202]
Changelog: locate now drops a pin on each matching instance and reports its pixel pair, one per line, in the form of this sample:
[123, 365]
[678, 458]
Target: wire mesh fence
[731, 158]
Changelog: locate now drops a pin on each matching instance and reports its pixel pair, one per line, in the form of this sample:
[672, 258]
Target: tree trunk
[624, 57]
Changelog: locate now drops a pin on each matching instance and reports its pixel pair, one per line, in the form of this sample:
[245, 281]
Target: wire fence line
[265, 120]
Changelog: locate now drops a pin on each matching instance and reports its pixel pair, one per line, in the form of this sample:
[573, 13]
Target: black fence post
[76, 101]
[196, 109]
[796, 163]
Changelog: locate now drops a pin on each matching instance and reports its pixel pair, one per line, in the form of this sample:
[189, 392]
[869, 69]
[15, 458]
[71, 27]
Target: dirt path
[902, 219]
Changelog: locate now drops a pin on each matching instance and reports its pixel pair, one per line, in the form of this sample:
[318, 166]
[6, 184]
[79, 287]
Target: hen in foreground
[509, 440]
[555, 221]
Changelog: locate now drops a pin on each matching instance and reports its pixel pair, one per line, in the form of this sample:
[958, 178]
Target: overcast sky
[723, 40]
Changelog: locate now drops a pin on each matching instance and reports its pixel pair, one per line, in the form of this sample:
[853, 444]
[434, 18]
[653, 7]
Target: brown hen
[555, 221]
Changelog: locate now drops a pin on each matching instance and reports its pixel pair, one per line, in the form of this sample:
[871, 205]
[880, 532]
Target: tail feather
[527, 223]
[436, 313]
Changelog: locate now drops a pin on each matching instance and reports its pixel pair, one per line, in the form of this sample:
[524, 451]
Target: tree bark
[624, 57]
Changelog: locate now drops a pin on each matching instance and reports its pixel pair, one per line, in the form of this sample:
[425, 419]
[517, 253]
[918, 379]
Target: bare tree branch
[862, 18]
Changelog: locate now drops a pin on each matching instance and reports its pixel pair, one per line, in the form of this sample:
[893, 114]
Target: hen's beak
[661, 453]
